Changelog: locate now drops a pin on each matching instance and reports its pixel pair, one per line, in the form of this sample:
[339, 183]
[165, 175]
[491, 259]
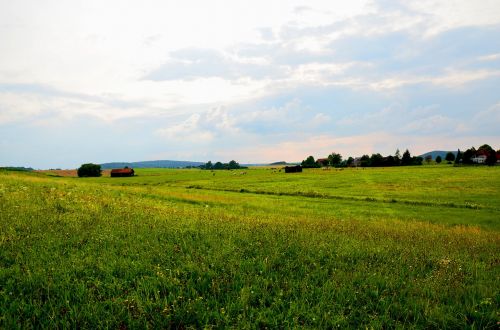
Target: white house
[479, 159]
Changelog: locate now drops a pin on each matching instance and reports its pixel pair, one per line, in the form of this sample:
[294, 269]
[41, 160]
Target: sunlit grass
[149, 251]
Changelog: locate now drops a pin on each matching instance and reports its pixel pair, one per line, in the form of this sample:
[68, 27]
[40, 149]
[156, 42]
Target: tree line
[470, 156]
[375, 160]
[232, 165]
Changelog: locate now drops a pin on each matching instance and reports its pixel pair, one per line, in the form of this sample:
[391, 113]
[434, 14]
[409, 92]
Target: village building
[322, 161]
[122, 172]
[480, 159]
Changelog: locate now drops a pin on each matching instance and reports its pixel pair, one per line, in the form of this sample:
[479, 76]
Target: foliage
[309, 162]
[467, 155]
[365, 161]
[232, 165]
[406, 160]
[16, 168]
[89, 170]
[450, 156]
[334, 159]
[438, 159]
[376, 160]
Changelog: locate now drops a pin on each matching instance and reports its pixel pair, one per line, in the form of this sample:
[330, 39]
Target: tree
[406, 160]
[233, 165]
[467, 155]
[428, 159]
[207, 166]
[218, 166]
[491, 159]
[364, 161]
[350, 161]
[416, 161]
[89, 170]
[334, 159]
[376, 160]
[450, 157]
[397, 158]
[309, 162]
[486, 148]
[438, 159]
[458, 158]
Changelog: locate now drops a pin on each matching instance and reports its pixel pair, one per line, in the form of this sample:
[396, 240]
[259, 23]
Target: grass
[382, 248]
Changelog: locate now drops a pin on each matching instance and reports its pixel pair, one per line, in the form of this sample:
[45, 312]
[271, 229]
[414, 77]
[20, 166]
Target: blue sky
[259, 81]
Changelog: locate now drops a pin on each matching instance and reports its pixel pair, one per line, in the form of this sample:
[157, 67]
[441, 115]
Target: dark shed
[121, 172]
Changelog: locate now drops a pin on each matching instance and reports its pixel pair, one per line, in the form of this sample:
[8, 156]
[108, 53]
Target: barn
[122, 172]
[293, 169]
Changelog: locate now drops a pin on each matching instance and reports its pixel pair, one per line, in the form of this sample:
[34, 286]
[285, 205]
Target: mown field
[412, 247]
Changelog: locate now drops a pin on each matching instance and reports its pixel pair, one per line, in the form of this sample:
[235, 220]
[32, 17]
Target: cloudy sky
[255, 81]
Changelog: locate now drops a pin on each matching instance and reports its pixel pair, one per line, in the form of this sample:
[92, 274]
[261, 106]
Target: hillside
[436, 153]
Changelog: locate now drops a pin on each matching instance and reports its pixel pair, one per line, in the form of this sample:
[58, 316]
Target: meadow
[405, 247]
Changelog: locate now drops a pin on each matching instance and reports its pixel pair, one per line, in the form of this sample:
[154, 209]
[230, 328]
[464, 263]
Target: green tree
[89, 170]
[334, 159]
[218, 166]
[376, 160]
[350, 161]
[406, 160]
[309, 162]
[467, 155]
[233, 165]
[364, 161]
[450, 157]
[208, 165]
[438, 159]
[486, 148]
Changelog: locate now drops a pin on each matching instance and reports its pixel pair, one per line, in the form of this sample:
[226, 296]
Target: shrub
[88, 170]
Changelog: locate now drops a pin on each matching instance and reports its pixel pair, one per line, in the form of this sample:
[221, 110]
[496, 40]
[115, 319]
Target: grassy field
[413, 247]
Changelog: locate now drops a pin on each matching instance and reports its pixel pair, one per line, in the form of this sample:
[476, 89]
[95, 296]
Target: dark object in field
[293, 169]
[121, 172]
[89, 170]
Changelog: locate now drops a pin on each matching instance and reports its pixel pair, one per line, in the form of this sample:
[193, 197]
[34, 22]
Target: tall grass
[99, 253]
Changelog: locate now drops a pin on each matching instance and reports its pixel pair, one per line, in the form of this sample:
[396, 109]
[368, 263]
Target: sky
[255, 81]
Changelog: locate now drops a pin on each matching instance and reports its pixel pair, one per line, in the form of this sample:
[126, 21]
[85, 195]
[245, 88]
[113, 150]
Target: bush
[88, 170]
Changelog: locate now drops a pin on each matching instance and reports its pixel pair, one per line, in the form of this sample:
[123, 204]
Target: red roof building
[122, 172]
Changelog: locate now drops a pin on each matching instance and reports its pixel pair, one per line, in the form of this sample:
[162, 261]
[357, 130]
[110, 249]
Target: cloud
[251, 77]
[202, 128]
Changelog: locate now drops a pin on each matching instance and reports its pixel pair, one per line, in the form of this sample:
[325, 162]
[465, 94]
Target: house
[356, 162]
[479, 159]
[122, 172]
[322, 161]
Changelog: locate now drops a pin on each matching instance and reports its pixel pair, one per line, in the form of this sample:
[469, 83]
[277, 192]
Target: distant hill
[16, 168]
[151, 164]
[436, 153]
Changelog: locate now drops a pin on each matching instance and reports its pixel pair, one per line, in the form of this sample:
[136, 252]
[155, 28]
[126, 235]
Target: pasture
[409, 247]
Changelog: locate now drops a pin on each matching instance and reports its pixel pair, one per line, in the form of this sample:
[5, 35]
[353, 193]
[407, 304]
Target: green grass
[391, 247]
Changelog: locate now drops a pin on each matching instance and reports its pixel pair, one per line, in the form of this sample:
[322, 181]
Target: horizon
[256, 82]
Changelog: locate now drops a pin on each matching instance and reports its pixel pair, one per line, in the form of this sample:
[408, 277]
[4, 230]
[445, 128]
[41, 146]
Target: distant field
[380, 247]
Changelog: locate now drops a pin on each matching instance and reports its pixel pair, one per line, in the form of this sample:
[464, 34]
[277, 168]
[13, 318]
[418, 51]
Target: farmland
[380, 247]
